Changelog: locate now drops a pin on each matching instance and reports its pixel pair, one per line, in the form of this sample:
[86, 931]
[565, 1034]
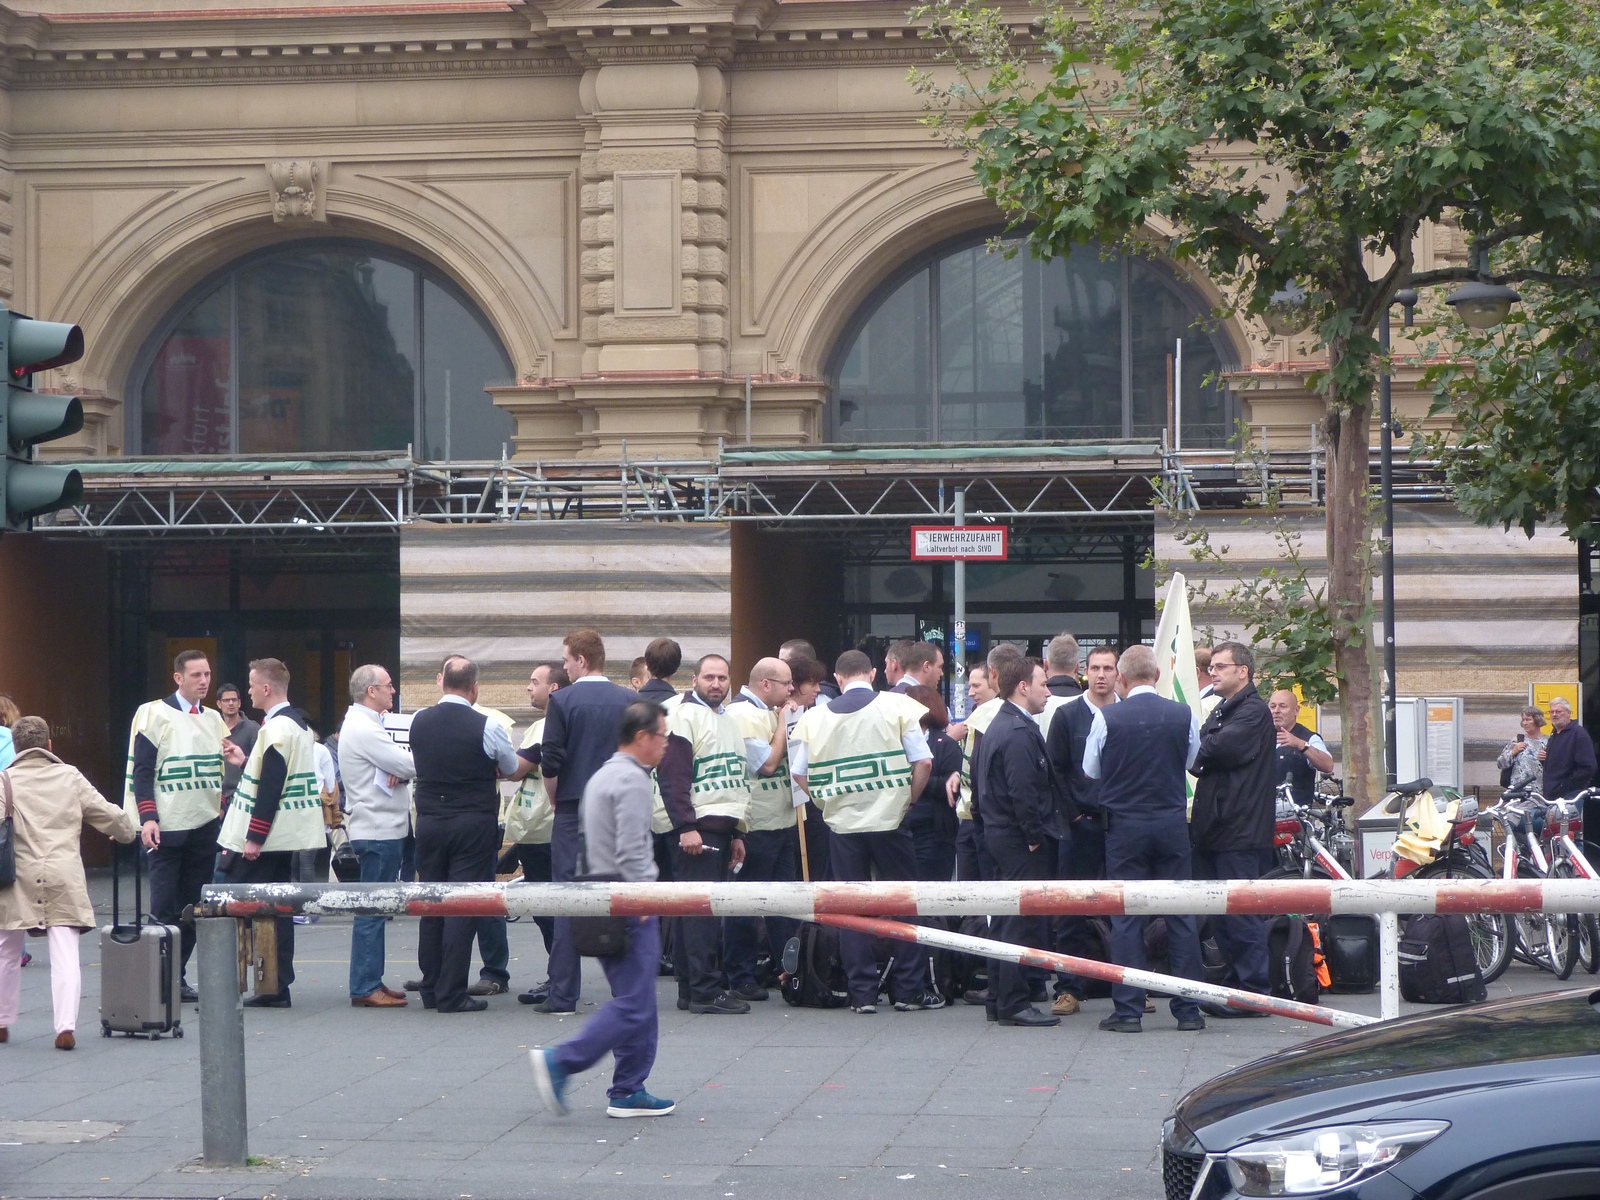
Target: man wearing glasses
[1232, 823]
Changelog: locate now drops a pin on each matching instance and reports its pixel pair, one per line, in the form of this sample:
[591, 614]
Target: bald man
[772, 845]
[1301, 753]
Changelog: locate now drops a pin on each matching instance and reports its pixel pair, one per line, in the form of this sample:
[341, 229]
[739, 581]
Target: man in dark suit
[1019, 824]
[580, 736]
[1082, 851]
[460, 754]
[1139, 750]
[1232, 825]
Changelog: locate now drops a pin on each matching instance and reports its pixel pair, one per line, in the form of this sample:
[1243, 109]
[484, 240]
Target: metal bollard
[223, 1128]
[1388, 966]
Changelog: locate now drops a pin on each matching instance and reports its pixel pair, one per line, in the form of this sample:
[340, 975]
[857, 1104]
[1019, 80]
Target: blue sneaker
[550, 1079]
[640, 1104]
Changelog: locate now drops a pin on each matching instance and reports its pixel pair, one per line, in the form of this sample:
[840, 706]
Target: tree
[1297, 147]
[1525, 448]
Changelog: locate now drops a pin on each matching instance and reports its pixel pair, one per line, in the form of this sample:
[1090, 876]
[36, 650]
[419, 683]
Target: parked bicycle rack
[222, 1070]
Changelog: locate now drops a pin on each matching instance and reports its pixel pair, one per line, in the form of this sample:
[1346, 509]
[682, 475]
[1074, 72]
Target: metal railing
[222, 1070]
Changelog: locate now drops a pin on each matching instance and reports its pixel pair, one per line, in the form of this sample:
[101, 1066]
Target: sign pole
[958, 640]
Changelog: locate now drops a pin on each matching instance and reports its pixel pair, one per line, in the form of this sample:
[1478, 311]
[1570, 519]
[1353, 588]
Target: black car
[1493, 1102]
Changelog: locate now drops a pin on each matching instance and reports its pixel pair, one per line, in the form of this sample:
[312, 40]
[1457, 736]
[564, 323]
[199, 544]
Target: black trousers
[269, 867]
[1008, 982]
[889, 855]
[1242, 938]
[456, 849]
[566, 968]
[819, 843]
[770, 856]
[936, 856]
[973, 861]
[185, 862]
[1080, 855]
[697, 951]
[535, 860]
[1151, 848]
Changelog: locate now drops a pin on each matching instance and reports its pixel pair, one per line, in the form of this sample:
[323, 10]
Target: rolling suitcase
[140, 965]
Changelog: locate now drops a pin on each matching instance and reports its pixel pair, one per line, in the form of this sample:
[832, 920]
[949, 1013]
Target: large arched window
[323, 346]
[968, 345]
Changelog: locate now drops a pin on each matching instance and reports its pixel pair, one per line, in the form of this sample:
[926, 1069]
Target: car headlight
[1319, 1160]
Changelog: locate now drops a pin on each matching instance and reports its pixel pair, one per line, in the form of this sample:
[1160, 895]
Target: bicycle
[1563, 825]
[1546, 940]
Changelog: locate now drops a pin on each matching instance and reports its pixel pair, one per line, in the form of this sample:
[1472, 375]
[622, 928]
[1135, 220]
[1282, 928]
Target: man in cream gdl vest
[864, 759]
[772, 845]
[705, 789]
[276, 811]
[176, 755]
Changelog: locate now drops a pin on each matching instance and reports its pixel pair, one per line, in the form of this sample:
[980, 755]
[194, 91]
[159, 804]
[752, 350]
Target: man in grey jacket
[616, 809]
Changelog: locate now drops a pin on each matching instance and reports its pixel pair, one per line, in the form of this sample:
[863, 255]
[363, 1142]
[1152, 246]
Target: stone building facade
[569, 231]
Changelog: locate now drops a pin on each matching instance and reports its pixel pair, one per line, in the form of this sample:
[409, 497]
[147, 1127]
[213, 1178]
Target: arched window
[968, 345]
[323, 346]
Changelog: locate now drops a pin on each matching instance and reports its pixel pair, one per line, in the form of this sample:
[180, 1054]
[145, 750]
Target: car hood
[1359, 1073]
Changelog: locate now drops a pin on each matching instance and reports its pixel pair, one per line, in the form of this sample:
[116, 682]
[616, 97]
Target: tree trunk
[1349, 526]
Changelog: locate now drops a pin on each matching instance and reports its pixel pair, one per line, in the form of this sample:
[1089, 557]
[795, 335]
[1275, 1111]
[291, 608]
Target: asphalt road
[783, 1102]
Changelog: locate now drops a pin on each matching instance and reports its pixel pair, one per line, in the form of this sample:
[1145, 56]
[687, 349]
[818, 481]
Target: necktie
[194, 710]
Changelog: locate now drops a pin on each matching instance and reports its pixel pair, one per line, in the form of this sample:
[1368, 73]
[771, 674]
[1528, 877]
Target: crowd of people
[1069, 767]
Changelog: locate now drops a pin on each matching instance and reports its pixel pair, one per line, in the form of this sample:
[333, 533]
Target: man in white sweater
[376, 773]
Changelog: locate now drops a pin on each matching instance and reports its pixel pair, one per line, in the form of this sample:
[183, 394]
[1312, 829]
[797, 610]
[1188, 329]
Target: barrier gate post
[1388, 965]
[223, 1130]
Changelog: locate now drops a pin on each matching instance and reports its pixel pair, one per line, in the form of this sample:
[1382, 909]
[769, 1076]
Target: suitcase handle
[117, 926]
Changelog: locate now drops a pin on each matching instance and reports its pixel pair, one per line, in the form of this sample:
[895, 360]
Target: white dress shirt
[1097, 736]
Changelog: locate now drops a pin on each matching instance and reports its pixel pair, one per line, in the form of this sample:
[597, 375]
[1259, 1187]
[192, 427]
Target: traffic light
[29, 489]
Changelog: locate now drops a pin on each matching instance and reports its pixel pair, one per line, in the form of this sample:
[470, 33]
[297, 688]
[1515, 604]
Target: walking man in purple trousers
[617, 806]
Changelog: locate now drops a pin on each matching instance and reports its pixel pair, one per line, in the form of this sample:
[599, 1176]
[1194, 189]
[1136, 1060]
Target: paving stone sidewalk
[783, 1102]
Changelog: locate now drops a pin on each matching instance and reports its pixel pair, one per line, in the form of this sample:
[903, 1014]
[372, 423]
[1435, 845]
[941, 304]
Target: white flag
[1175, 656]
[1175, 650]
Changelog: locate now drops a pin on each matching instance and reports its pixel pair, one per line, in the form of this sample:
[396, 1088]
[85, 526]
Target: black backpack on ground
[1350, 944]
[1437, 965]
[1292, 961]
[813, 971]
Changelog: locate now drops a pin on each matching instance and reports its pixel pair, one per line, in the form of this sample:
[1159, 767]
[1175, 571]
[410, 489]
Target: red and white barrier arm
[1171, 985]
[807, 901]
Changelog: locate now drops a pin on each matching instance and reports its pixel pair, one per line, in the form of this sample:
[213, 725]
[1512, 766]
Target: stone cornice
[229, 64]
[502, 37]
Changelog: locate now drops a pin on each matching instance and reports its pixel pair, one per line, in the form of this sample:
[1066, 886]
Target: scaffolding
[848, 491]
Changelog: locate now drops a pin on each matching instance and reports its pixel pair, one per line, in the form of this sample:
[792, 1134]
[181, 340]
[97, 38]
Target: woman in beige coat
[50, 802]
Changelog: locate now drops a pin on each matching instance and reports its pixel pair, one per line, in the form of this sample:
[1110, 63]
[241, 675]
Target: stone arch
[836, 270]
[128, 286]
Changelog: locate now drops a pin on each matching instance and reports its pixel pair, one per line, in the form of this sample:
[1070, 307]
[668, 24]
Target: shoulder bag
[597, 937]
[8, 838]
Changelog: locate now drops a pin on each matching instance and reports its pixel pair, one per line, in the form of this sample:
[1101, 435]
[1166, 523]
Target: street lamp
[1286, 315]
[1407, 297]
[1482, 305]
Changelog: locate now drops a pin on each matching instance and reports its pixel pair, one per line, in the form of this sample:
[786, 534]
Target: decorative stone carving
[296, 190]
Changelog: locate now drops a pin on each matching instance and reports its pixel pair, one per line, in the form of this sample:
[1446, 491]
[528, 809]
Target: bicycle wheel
[1492, 933]
[1561, 932]
[1589, 943]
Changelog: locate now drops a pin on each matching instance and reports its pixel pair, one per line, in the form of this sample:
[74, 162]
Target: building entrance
[861, 590]
[321, 611]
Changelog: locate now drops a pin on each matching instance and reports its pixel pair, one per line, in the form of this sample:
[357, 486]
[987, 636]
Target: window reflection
[1026, 350]
[327, 347]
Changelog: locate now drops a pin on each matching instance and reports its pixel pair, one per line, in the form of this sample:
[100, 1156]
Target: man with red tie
[176, 752]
